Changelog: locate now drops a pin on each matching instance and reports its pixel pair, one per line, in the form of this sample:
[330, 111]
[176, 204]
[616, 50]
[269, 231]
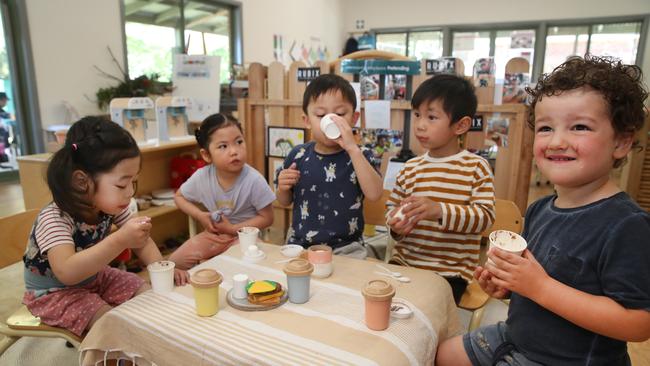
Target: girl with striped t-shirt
[92, 179]
[446, 195]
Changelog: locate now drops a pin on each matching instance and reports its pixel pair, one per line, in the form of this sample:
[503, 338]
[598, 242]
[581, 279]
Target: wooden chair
[22, 323]
[374, 214]
[508, 217]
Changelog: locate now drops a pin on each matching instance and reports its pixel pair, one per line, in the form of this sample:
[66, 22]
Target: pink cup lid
[319, 254]
[378, 290]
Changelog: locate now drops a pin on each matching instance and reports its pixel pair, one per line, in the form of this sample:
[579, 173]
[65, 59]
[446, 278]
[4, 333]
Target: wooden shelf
[155, 211]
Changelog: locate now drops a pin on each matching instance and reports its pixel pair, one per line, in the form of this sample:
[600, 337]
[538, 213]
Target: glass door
[10, 132]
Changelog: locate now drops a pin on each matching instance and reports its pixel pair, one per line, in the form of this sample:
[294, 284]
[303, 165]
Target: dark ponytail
[211, 124]
[93, 145]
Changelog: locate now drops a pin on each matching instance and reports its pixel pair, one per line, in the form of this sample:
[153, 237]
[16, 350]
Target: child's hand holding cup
[507, 241]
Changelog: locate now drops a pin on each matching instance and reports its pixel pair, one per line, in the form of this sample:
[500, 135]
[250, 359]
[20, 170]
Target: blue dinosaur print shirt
[327, 200]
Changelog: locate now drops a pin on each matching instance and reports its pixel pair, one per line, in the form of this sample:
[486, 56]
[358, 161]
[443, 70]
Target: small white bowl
[291, 250]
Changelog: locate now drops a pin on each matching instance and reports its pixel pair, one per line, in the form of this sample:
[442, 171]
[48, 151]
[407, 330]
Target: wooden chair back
[15, 230]
[508, 217]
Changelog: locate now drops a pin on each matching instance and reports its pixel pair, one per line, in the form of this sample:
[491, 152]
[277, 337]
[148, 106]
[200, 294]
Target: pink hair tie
[74, 147]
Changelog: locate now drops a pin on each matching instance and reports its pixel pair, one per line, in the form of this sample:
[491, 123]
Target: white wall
[297, 20]
[68, 38]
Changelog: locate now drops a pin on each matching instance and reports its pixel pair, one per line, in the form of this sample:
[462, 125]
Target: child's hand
[206, 221]
[224, 226]
[181, 277]
[346, 140]
[523, 275]
[288, 178]
[135, 232]
[484, 278]
[416, 209]
[396, 224]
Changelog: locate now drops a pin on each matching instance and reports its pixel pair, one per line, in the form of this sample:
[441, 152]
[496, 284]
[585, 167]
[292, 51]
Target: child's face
[114, 189]
[227, 150]
[434, 130]
[329, 102]
[575, 143]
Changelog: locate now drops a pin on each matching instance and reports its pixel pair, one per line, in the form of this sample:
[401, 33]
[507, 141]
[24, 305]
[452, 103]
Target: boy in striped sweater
[446, 196]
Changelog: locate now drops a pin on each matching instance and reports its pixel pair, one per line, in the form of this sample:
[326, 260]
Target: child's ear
[623, 145]
[80, 181]
[462, 125]
[206, 156]
[355, 118]
[305, 120]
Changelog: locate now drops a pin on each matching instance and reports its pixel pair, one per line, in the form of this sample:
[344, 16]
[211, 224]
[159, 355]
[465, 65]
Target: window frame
[541, 32]
[236, 29]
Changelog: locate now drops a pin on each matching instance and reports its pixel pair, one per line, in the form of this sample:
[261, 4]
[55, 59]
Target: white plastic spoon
[394, 274]
[398, 278]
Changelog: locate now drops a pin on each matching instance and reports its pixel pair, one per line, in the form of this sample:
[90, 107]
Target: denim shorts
[483, 344]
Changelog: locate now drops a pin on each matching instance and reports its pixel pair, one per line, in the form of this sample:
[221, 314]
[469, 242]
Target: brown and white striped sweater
[462, 183]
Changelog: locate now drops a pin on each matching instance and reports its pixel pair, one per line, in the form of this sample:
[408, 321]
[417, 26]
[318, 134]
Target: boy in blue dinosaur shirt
[327, 179]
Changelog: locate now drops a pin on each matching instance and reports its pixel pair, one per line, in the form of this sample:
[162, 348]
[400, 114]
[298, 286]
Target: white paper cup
[329, 128]
[507, 241]
[161, 274]
[239, 283]
[247, 237]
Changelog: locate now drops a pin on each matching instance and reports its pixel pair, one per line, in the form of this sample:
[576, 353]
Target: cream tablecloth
[155, 329]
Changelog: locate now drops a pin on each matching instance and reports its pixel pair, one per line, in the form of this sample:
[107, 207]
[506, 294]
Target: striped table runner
[327, 330]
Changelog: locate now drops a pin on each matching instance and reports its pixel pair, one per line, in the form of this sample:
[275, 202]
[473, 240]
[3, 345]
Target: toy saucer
[254, 258]
[291, 250]
[400, 310]
[244, 305]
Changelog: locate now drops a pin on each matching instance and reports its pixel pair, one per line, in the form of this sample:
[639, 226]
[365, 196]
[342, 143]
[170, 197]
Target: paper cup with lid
[508, 241]
[206, 291]
[378, 295]
[329, 127]
[161, 274]
[321, 257]
[298, 273]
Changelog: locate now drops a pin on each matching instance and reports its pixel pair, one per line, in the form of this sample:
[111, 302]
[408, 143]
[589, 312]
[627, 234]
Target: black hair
[212, 123]
[620, 85]
[93, 145]
[3, 96]
[454, 92]
[326, 83]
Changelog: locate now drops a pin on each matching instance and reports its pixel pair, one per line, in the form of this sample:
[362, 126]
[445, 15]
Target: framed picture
[275, 164]
[281, 140]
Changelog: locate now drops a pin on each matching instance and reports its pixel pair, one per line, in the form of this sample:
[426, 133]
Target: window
[511, 44]
[392, 42]
[425, 45]
[620, 40]
[154, 33]
[564, 42]
[207, 32]
[470, 46]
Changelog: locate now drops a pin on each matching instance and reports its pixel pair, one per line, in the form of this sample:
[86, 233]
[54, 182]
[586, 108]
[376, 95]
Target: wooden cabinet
[167, 221]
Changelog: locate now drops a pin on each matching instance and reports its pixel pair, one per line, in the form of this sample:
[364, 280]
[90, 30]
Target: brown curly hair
[621, 86]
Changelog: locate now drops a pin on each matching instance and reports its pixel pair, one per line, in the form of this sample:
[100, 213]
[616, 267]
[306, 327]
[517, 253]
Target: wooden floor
[11, 202]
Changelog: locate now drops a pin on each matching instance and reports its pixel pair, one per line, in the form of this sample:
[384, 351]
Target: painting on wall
[281, 140]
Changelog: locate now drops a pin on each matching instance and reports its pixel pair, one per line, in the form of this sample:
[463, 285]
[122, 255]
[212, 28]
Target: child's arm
[599, 314]
[369, 180]
[262, 220]
[191, 209]
[286, 180]
[472, 218]
[72, 267]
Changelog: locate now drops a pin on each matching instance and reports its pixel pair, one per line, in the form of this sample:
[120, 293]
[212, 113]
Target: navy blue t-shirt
[602, 249]
[327, 200]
